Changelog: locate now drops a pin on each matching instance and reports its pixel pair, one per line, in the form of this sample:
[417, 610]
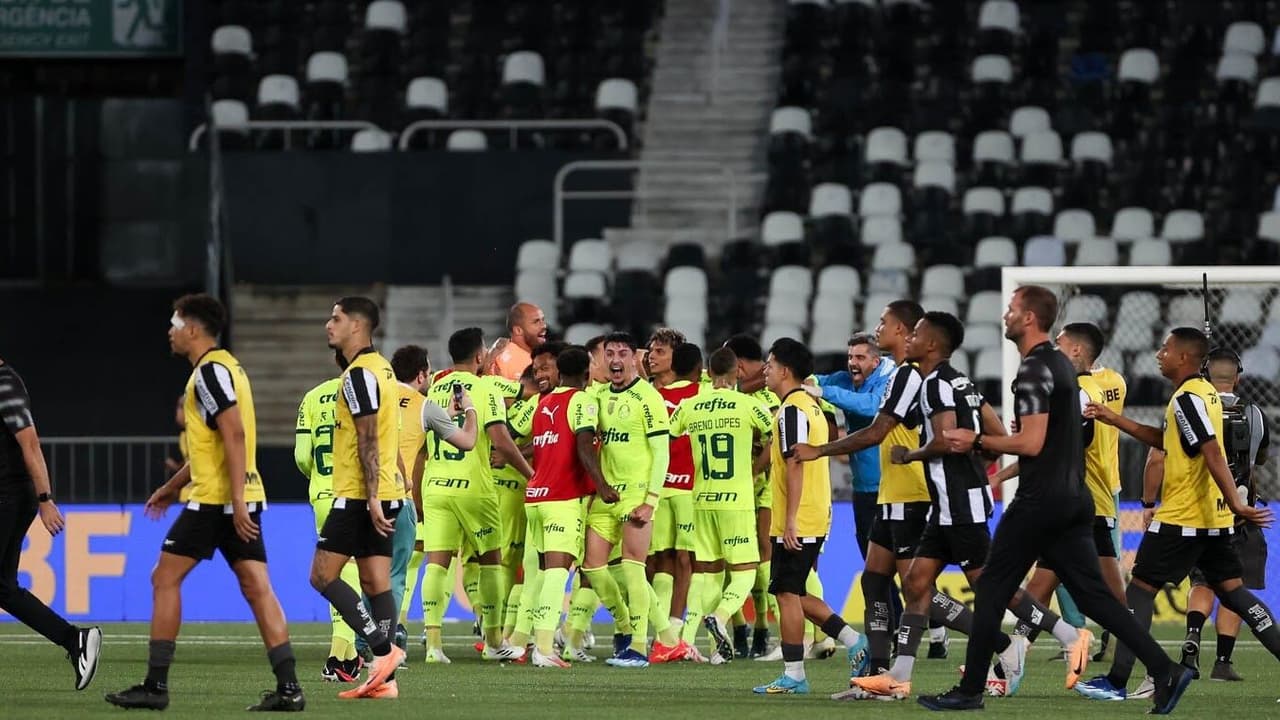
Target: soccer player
[750, 374]
[528, 328]
[633, 456]
[722, 425]
[459, 498]
[567, 474]
[223, 513]
[1051, 517]
[677, 372]
[313, 454]
[1245, 448]
[510, 484]
[801, 519]
[1193, 526]
[25, 492]
[1114, 390]
[960, 500]
[1081, 342]
[368, 493]
[599, 371]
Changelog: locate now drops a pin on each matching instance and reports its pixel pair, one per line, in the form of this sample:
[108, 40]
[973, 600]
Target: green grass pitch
[220, 668]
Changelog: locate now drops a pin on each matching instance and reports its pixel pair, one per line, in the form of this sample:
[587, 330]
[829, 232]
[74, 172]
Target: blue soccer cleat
[783, 686]
[1100, 688]
[858, 657]
[628, 659]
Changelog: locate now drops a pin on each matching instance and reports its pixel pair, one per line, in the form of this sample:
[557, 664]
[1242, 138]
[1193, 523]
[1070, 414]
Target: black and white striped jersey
[15, 416]
[957, 483]
[902, 396]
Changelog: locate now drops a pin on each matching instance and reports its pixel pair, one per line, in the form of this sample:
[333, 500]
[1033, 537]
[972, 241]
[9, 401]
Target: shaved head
[527, 325]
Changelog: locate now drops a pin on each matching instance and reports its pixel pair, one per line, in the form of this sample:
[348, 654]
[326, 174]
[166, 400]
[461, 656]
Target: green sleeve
[655, 416]
[678, 425]
[302, 456]
[660, 451]
[583, 412]
[520, 418]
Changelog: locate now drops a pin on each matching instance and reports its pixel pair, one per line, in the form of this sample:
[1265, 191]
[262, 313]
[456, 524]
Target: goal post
[1166, 283]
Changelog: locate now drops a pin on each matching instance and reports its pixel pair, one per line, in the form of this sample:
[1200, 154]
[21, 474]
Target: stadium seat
[1262, 361]
[1074, 225]
[326, 80]
[981, 336]
[425, 98]
[940, 303]
[1185, 310]
[230, 118]
[988, 374]
[523, 80]
[232, 40]
[773, 333]
[537, 255]
[880, 199]
[782, 233]
[880, 229]
[960, 360]
[839, 281]
[873, 307]
[1244, 38]
[993, 158]
[580, 333]
[891, 281]
[983, 209]
[938, 175]
[1133, 223]
[584, 295]
[1044, 251]
[786, 310]
[894, 256]
[995, 252]
[617, 100]
[1241, 308]
[943, 281]
[682, 312]
[935, 146]
[639, 256]
[386, 15]
[1085, 308]
[385, 24]
[686, 282]
[1110, 358]
[1028, 119]
[1041, 158]
[467, 141]
[1271, 334]
[1182, 226]
[1151, 253]
[831, 224]
[791, 280]
[1138, 65]
[1147, 386]
[986, 306]
[1031, 210]
[997, 25]
[591, 255]
[371, 140]
[886, 153]
[538, 286]
[1139, 307]
[1097, 252]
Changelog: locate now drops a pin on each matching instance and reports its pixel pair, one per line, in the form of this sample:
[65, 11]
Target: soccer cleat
[939, 649]
[759, 642]
[742, 641]
[876, 687]
[724, 648]
[379, 671]
[668, 654]
[401, 638]
[424, 638]
[718, 659]
[275, 701]
[695, 655]
[547, 661]
[620, 643]
[1169, 692]
[588, 640]
[1102, 649]
[389, 690]
[1013, 665]
[1224, 671]
[504, 653]
[1146, 689]
[1191, 653]
[436, 655]
[140, 697]
[953, 699]
[336, 670]
[576, 655]
[628, 659]
[363, 650]
[858, 657]
[559, 642]
[821, 650]
[783, 686]
[84, 660]
[774, 655]
[479, 646]
[476, 629]
[1078, 660]
[1100, 688]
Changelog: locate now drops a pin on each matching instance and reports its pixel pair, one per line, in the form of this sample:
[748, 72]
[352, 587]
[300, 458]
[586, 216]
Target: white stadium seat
[790, 120]
[991, 69]
[1028, 119]
[1242, 307]
[772, 333]
[1237, 67]
[278, 90]
[786, 310]
[791, 280]
[940, 303]
[1097, 252]
[781, 227]
[998, 15]
[617, 94]
[230, 115]
[880, 198]
[232, 40]
[385, 15]
[935, 174]
[1032, 199]
[1268, 93]
[327, 67]
[1044, 251]
[639, 255]
[1093, 146]
[982, 336]
[580, 333]
[995, 252]
[1130, 336]
[829, 199]
[1133, 223]
[681, 312]
[466, 141]
[839, 281]
[1139, 65]
[1186, 310]
[538, 286]
[1042, 147]
[585, 284]
[524, 66]
[427, 93]
[874, 306]
[686, 282]
[1074, 225]
[590, 255]
[894, 256]
[1182, 226]
[1139, 307]
[989, 365]
[1151, 253]
[887, 145]
[881, 230]
[371, 140]
[984, 307]
[1244, 38]
[983, 200]
[944, 280]
[993, 146]
[1085, 308]
[935, 146]
[537, 255]
[891, 282]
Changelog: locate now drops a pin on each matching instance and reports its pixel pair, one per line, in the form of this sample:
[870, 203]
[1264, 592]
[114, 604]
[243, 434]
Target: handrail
[203, 128]
[560, 194]
[514, 125]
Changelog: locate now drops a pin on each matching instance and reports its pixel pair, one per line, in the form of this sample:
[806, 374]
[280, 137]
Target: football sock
[910, 630]
[875, 590]
[760, 594]
[342, 644]
[285, 667]
[637, 603]
[694, 610]
[159, 658]
[611, 597]
[490, 600]
[793, 661]
[1142, 604]
[383, 609]
[357, 616]
[434, 602]
[1256, 615]
[411, 583]
[663, 588]
[735, 593]
[550, 600]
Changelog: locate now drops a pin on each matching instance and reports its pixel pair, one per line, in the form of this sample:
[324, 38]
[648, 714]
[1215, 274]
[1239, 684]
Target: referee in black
[25, 492]
[1052, 515]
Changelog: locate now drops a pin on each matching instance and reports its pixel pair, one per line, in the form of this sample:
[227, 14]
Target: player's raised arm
[435, 419]
[1146, 434]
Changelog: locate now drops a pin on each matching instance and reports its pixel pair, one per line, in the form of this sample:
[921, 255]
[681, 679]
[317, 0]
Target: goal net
[1136, 307]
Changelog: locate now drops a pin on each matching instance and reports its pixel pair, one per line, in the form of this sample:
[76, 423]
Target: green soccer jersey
[451, 471]
[520, 423]
[506, 389]
[722, 425]
[313, 437]
[628, 418]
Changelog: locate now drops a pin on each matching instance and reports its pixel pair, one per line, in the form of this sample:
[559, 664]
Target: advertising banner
[90, 28]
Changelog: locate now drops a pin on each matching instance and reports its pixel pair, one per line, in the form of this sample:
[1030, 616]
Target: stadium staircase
[686, 123]
[427, 315]
[279, 337]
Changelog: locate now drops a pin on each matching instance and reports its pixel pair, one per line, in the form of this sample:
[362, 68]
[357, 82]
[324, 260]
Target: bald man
[527, 327]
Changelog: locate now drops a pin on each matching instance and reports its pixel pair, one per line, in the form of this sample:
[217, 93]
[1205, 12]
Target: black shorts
[197, 533]
[1166, 557]
[790, 568]
[898, 527]
[1251, 547]
[1102, 538]
[963, 545]
[348, 530]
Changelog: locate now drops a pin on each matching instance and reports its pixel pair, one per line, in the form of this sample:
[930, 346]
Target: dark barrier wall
[331, 217]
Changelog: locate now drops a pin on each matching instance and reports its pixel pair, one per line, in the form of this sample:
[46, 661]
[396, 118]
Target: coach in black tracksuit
[1052, 515]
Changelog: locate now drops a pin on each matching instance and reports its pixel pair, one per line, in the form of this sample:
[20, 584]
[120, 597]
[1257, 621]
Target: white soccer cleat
[577, 655]
[548, 661]
[1145, 690]
[718, 659]
[822, 650]
[774, 655]
[560, 643]
[695, 655]
[588, 640]
[436, 655]
[503, 653]
[1013, 664]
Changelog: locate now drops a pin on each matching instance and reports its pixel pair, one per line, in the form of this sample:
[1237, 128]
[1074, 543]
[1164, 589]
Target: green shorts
[728, 535]
[450, 522]
[556, 526]
[764, 492]
[673, 523]
[607, 520]
[511, 514]
[320, 507]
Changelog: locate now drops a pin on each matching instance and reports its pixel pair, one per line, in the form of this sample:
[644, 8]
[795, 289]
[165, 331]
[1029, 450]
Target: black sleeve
[215, 390]
[1194, 427]
[903, 393]
[1032, 387]
[1262, 433]
[360, 389]
[1086, 423]
[793, 428]
[15, 404]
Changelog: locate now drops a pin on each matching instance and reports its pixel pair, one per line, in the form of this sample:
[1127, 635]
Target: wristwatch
[977, 443]
[1148, 505]
[44, 497]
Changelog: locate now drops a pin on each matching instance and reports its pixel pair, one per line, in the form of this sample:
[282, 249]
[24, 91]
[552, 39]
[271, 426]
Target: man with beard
[528, 327]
